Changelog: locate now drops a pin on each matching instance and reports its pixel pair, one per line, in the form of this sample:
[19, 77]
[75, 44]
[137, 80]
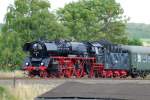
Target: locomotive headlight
[27, 64]
[42, 64]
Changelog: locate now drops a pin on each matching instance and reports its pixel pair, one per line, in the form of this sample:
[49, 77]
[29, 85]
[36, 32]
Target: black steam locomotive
[78, 59]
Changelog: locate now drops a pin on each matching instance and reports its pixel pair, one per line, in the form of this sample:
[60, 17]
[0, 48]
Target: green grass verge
[10, 74]
[5, 95]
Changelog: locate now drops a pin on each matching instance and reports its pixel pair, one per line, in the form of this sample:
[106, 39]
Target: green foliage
[11, 53]
[134, 42]
[32, 20]
[26, 21]
[1, 25]
[5, 95]
[94, 19]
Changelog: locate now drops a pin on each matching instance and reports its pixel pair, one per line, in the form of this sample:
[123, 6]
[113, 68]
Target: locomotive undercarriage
[74, 67]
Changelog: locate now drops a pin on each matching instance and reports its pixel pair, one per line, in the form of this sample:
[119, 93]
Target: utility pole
[14, 79]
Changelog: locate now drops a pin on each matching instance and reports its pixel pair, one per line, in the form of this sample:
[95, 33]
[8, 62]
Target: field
[8, 74]
[21, 91]
[5, 94]
[24, 91]
[28, 89]
[146, 42]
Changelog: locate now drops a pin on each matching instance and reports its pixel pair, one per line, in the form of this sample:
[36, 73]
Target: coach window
[144, 58]
[148, 58]
[138, 58]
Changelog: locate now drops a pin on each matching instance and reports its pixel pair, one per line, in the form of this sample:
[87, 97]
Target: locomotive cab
[97, 50]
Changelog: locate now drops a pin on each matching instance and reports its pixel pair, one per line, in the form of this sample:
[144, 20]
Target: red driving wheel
[43, 74]
[67, 69]
[69, 72]
[79, 72]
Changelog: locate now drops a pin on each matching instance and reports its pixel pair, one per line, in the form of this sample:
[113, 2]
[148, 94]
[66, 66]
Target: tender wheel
[116, 74]
[79, 73]
[143, 75]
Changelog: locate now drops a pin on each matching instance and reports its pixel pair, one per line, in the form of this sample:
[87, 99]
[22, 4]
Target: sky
[137, 10]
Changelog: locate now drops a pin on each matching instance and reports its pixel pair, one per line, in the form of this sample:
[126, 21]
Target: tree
[134, 42]
[26, 20]
[32, 20]
[11, 54]
[94, 19]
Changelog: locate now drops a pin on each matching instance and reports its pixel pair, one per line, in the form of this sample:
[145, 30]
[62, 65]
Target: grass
[24, 91]
[9, 74]
[29, 92]
[146, 42]
[5, 94]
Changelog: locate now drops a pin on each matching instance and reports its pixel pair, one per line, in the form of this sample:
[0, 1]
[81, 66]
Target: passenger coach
[139, 57]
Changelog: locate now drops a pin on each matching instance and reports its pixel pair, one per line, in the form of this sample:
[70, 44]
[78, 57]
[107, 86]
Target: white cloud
[3, 8]
[137, 10]
[55, 4]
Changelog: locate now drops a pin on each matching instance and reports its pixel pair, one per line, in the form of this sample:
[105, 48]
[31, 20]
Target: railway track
[38, 78]
[14, 81]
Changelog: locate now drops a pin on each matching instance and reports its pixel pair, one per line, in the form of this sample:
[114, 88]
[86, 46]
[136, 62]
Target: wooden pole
[14, 79]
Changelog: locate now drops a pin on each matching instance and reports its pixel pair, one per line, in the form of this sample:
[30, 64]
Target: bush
[134, 42]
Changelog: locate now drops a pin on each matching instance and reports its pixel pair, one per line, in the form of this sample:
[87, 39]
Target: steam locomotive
[68, 59]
